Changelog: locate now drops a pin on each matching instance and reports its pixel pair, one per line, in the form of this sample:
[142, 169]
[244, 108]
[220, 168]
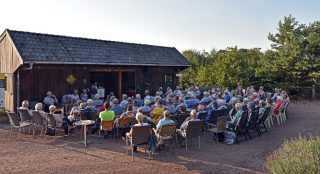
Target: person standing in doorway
[94, 89]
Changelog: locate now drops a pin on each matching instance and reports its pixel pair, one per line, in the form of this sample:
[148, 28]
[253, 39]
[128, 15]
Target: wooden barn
[34, 63]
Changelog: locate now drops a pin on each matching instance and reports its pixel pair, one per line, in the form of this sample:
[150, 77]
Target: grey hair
[38, 107]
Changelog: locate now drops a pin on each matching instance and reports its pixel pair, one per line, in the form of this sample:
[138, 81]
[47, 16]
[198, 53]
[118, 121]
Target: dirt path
[64, 155]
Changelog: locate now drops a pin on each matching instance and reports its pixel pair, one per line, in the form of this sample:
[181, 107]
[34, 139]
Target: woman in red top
[277, 105]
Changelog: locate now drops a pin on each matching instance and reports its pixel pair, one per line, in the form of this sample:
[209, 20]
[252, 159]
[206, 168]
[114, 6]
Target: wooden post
[119, 84]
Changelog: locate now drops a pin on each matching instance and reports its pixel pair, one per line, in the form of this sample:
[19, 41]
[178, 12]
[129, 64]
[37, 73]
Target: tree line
[292, 62]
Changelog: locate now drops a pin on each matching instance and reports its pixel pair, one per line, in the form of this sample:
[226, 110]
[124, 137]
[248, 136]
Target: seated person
[124, 103]
[157, 111]
[200, 109]
[61, 120]
[25, 105]
[75, 96]
[90, 105]
[206, 98]
[106, 115]
[118, 110]
[182, 109]
[124, 115]
[84, 110]
[139, 118]
[165, 120]
[269, 102]
[139, 100]
[222, 105]
[171, 106]
[181, 133]
[50, 99]
[262, 105]
[277, 105]
[39, 108]
[74, 114]
[84, 95]
[67, 101]
[236, 117]
[97, 101]
[146, 108]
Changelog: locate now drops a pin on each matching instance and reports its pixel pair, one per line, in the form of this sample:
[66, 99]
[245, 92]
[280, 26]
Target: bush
[3, 112]
[301, 155]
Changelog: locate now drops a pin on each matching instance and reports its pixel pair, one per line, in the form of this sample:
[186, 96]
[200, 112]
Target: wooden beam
[111, 70]
[119, 84]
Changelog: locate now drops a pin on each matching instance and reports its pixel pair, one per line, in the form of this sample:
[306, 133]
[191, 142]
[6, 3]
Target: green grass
[301, 155]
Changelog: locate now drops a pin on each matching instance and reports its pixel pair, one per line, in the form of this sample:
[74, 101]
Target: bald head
[193, 113]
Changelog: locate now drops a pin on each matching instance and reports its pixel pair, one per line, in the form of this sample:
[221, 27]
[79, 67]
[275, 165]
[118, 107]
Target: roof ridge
[92, 39]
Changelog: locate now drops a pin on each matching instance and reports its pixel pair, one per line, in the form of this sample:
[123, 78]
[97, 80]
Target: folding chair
[140, 136]
[15, 124]
[37, 122]
[167, 134]
[107, 126]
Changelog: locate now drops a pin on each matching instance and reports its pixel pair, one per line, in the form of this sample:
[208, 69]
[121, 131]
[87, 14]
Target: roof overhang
[90, 63]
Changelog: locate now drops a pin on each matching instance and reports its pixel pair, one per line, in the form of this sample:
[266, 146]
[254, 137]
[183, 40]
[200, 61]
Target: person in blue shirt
[227, 96]
[139, 101]
[164, 121]
[124, 103]
[118, 110]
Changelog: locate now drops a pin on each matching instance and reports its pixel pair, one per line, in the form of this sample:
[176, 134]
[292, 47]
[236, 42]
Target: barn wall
[36, 82]
[9, 58]
[9, 62]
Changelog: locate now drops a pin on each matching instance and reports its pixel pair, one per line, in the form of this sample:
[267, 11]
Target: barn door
[9, 92]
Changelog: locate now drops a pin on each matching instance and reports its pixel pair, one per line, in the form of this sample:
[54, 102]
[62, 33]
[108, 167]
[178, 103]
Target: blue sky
[184, 24]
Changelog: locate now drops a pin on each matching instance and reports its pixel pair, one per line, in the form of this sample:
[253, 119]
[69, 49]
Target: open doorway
[110, 82]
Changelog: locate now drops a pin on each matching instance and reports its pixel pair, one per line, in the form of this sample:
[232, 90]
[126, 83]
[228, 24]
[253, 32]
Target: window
[168, 78]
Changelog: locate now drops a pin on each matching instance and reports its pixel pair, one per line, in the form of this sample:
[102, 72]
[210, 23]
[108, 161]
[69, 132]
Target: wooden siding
[10, 59]
[36, 82]
[9, 94]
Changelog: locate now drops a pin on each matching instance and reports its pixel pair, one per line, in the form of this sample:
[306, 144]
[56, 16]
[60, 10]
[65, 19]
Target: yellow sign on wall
[71, 79]
[1, 76]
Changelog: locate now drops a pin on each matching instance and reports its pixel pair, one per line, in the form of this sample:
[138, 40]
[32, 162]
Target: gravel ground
[65, 155]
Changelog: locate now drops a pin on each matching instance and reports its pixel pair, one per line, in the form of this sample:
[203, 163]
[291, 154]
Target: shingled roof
[46, 48]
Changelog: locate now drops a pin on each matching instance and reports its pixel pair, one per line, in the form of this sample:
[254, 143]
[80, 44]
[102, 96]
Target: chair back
[181, 118]
[93, 115]
[254, 116]
[146, 113]
[225, 112]
[36, 118]
[194, 128]
[214, 117]
[141, 134]
[173, 117]
[168, 129]
[51, 121]
[14, 119]
[202, 115]
[83, 115]
[265, 115]
[107, 125]
[24, 115]
[242, 122]
[133, 121]
[221, 124]
[124, 122]
[285, 106]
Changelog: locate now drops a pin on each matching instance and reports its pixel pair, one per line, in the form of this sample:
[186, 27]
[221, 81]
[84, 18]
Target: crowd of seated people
[156, 109]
